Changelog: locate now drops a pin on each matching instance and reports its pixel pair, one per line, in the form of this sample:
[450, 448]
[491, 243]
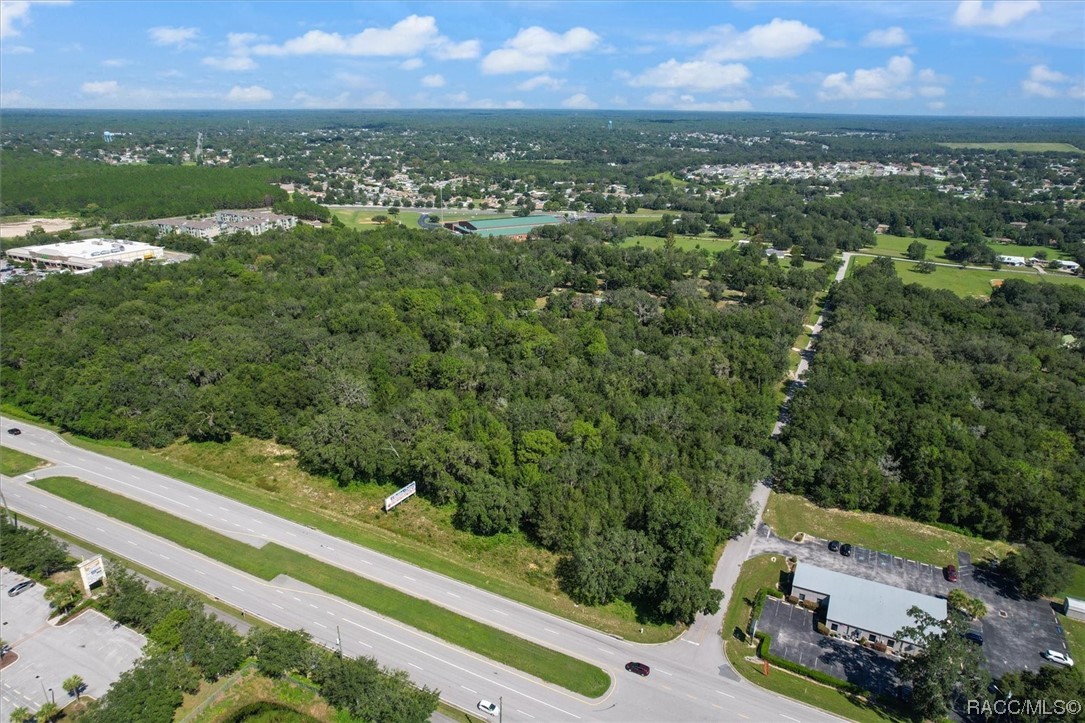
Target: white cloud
[541, 81]
[353, 81]
[231, 62]
[931, 91]
[778, 39]
[433, 81]
[888, 82]
[14, 99]
[18, 10]
[411, 64]
[1043, 82]
[695, 75]
[115, 62]
[781, 90]
[100, 87]
[1001, 13]
[490, 103]
[936, 105]
[887, 38]
[380, 99]
[17, 50]
[460, 97]
[532, 49]
[580, 101]
[311, 101]
[249, 94]
[686, 101]
[410, 36]
[178, 37]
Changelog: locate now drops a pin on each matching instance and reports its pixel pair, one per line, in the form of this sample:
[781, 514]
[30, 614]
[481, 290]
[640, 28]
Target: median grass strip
[272, 560]
[13, 462]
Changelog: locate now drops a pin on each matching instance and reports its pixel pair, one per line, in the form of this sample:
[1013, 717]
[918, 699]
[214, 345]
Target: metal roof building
[87, 254]
[1074, 608]
[859, 608]
[516, 226]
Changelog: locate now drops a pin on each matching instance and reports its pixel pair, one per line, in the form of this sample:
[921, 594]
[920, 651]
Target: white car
[487, 707]
[1060, 658]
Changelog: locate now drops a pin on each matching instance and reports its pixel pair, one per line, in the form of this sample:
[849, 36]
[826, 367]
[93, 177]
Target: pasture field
[1017, 146]
[967, 282]
[363, 217]
[889, 245]
[709, 242]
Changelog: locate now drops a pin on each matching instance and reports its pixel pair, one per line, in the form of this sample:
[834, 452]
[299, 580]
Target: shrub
[880, 647]
[758, 604]
[823, 629]
[774, 592]
[810, 604]
[793, 599]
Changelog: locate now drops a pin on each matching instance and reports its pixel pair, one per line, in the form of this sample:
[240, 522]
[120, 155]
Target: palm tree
[74, 685]
[20, 715]
[64, 595]
[48, 713]
[3, 648]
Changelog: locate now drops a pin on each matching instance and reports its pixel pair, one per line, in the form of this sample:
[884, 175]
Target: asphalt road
[690, 678]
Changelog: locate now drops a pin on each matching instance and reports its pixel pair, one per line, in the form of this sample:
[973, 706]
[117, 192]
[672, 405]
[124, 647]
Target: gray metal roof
[872, 606]
[1073, 603]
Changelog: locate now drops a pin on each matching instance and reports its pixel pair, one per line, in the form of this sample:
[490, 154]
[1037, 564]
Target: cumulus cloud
[778, 39]
[541, 81]
[887, 38]
[410, 36]
[695, 75]
[936, 105]
[305, 100]
[249, 94]
[411, 64]
[888, 82]
[490, 103]
[115, 62]
[433, 81]
[579, 100]
[15, 99]
[687, 101]
[971, 13]
[781, 90]
[380, 99]
[100, 87]
[231, 62]
[177, 37]
[1043, 82]
[532, 50]
[17, 12]
[17, 50]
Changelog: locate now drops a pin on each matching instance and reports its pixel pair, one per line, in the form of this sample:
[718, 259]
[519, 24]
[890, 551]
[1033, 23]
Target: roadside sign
[92, 572]
[398, 496]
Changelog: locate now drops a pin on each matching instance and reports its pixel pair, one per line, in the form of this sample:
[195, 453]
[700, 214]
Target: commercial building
[517, 227]
[863, 609]
[86, 255]
[1011, 260]
[253, 221]
[1074, 608]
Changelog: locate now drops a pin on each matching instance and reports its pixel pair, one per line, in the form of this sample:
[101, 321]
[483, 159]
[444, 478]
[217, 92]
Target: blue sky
[940, 57]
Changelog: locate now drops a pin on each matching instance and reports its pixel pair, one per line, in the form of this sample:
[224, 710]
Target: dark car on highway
[20, 588]
[834, 546]
[14, 430]
[638, 668]
[845, 550]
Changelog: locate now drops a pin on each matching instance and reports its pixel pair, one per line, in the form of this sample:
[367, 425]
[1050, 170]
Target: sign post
[398, 496]
[92, 572]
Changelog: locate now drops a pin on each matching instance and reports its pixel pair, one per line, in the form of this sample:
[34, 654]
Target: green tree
[278, 651]
[63, 596]
[48, 712]
[73, 684]
[946, 664]
[970, 606]
[1038, 569]
[150, 692]
[926, 267]
[20, 715]
[1055, 685]
[917, 251]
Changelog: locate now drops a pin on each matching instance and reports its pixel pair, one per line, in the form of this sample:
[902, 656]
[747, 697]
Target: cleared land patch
[967, 282]
[889, 245]
[272, 560]
[710, 243]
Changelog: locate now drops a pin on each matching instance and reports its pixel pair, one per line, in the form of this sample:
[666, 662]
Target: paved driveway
[795, 637]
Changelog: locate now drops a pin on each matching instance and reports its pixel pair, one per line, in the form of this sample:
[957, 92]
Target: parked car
[834, 546]
[1059, 658]
[20, 588]
[639, 668]
[974, 636]
[14, 430]
[489, 708]
[950, 571]
[845, 550]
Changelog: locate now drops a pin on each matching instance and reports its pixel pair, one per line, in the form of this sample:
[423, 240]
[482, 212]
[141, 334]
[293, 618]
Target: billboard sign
[398, 496]
[92, 572]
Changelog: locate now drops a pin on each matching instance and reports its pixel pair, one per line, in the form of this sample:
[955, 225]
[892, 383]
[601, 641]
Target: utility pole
[339, 641]
[500, 708]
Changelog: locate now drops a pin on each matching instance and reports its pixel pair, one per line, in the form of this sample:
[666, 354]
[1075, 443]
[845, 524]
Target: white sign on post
[91, 571]
[398, 496]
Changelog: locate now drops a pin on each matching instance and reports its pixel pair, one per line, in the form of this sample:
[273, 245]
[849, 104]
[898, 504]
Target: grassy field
[1075, 637]
[13, 462]
[363, 217]
[272, 560]
[791, 514]
[291, 700]
[709, 243]
[889, 245]
[967, 282]
[1075, 586]
[1018, 146]
[764, 571]
[669, 177]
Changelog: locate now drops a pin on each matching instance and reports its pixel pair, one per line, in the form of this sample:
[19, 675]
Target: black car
[14, 430]
[974, 636]
[845, 549]
[638, 668]
[20, 588]
[834, 546]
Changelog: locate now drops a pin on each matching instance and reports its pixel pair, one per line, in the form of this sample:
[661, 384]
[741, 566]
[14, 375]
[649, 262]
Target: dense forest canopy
[948, 410]
[630, 420]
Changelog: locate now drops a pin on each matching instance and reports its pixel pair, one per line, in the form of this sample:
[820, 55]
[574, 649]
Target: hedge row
[815, 675]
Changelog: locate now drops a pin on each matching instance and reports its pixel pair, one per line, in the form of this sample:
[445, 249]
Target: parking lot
[1015, 631]
[795, 637]
[87, 646]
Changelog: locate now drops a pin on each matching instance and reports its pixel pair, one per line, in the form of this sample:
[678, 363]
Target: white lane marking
[789, 718]
[249, 529]
[278, 606]
[70, 517]
[499, 612]
[608, 652]
[99, 529]
[664, 672]
[130, 542]
[296, 598]
[690, 642]
[727, 694]
[291, 533]
[415, 666]
[452, 594]
[523, 713]
[312, 606]
[410, 578]
[239, 589]
[367, 562]
[198, 571]
[224, 509]
[555, 632]
[469, 690]
[194, 498]
[164, 557]
[320, 624]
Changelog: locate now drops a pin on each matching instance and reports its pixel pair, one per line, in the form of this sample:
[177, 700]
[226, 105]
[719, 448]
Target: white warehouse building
[86, 254]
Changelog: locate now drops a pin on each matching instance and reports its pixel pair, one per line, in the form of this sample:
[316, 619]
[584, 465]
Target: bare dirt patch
[22, 228]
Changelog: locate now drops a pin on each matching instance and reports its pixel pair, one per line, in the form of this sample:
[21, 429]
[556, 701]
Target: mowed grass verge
[765, 571]
[789, 515]
[14, 462]
[272, 560]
